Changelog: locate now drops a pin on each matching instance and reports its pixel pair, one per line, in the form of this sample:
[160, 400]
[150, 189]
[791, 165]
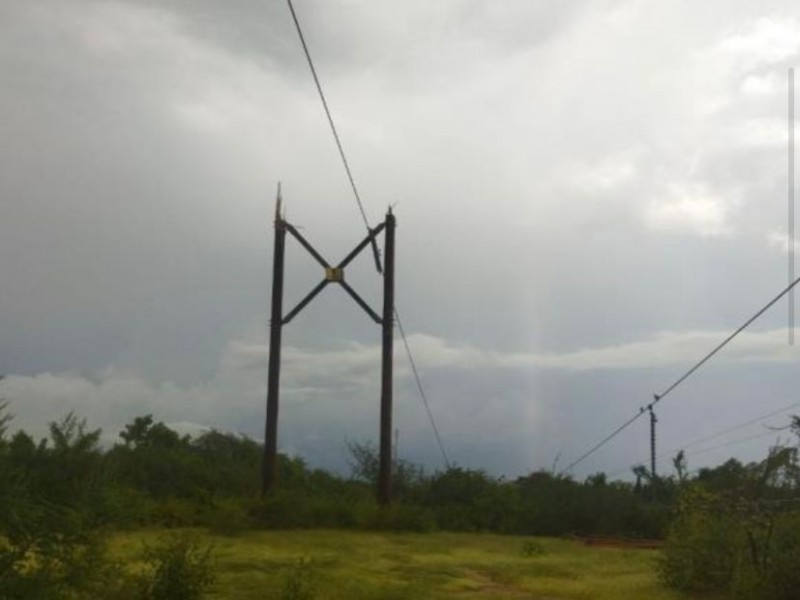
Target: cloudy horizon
[590, 196]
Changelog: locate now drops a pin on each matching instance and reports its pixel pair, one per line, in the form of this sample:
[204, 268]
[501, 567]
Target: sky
[590, 195]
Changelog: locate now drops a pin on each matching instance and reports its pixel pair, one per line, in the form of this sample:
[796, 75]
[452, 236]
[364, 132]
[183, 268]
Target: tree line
[733, 521]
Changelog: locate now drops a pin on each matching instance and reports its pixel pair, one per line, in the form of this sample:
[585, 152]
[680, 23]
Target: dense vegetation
[732, 528]
[736, 529]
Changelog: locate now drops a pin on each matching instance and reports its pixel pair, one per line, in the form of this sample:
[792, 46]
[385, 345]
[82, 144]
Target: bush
[783, 574]
[701, 549]
[745, 549]
[228, 517]
[178, 568]
[176, 512]
[300, 581]
[771, 572]
[401, 517]
[126, 507]
[532, 548]
[49, 552]
[296, 509]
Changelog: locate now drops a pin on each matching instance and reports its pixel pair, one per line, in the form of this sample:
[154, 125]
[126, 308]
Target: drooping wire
[375, 251]
[604, 441]
[721, 345]
[422, 393]
[730, 430]
[734, 442]
[714, 436]
[682, 378]
[335, 134]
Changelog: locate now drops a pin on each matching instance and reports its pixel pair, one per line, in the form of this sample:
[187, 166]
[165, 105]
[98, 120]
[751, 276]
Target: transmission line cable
[721, 345]
[730, 430]
[714, 436]
[335, 133]
[604, 441]
[375, 251]
[682, 378]
[421, 389]
[733, 442]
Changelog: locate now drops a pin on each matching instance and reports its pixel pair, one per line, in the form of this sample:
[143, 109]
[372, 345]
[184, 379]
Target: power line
[335, 133]
[684, 377]
[734, 442]
[730, 430]
[716, 435]
[421, 390]
[422, 393]
[604, 441]
[765, 308]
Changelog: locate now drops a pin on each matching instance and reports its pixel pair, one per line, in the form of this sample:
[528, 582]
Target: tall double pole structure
[333, 274]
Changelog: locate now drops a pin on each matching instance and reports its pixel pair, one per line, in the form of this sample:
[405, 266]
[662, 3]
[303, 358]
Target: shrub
[783, 574]
[532, 548]
[178, 568]
[300, 581]
[49, 552]
[175, 512]
[768, 567]
[701, 549]
[295, 509]
[228, 517]
[401, 517]
[746, 549]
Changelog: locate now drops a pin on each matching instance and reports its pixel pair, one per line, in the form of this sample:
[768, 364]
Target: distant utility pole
[333, 274]
[653, 421]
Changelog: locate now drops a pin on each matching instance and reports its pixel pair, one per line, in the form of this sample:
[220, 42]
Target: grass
[333, 565]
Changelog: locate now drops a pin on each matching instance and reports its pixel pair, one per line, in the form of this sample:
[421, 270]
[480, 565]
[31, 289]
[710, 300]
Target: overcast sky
[590, 195]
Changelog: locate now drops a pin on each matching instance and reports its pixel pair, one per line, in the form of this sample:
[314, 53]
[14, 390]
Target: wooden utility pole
[333, 274]
[385, 473]
[653, 422]
[274, 368]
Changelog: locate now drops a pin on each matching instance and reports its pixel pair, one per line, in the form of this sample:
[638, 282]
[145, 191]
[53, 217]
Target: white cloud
[239, 384]
[760, 85]
[691, 208]
[604, 175]
[328, 396]
[662, 349]
[780, 241]
[768, 41]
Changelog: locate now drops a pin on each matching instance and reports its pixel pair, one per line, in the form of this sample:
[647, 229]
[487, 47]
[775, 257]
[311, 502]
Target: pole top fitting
[278, 203]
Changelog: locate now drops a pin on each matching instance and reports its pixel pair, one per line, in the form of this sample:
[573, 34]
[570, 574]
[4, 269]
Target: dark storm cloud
[590, 195]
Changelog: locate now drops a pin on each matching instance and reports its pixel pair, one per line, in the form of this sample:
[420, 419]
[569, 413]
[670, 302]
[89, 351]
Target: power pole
[653, 422]
[385, 473]
[274, 368]
[333, 274]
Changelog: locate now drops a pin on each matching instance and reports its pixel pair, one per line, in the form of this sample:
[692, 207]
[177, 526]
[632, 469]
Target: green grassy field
[295, 565]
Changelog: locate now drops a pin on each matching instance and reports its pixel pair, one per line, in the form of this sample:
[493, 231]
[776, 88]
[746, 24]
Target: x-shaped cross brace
[333, 274]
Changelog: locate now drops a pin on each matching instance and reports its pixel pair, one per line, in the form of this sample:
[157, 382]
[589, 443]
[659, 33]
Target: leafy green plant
[702, 545]
[401, 517]
[532, 548]
[300, 581]
[178, 568]
[228, 517]
[48, 551]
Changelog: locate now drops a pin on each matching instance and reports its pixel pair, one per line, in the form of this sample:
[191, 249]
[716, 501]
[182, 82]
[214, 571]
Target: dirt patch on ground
[612, 542]
[486, 585]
